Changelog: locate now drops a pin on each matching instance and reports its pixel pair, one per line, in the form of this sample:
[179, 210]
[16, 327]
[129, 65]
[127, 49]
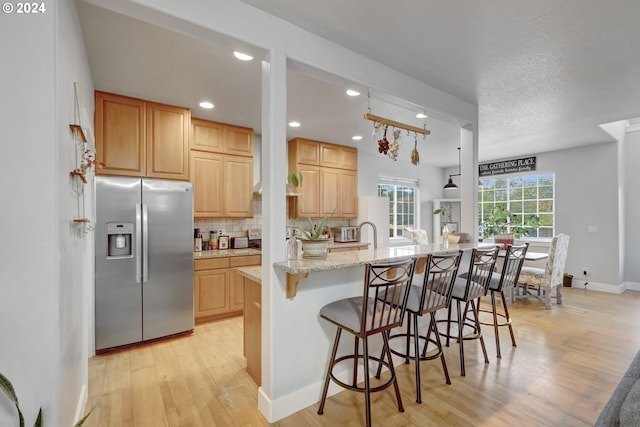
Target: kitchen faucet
[375, 232]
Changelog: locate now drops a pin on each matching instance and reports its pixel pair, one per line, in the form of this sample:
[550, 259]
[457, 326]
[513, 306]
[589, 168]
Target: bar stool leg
[434, 330]
[460, 338]
[448, 325]
[416, 345]
[385, 339]
[367, 381]
[506, 313]
[355, 361]
[325, 388]
[495, 322]
[476, 313]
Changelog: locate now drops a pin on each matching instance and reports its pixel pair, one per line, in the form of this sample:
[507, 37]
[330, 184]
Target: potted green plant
[503, 226]
[314, 240]
[7, 388]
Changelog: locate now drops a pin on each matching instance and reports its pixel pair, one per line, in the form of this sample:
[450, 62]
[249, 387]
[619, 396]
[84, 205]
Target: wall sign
[525, 164]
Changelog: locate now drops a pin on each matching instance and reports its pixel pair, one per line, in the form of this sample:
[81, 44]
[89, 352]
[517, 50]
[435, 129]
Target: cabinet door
[253, 329]
[206, 135]
[167, 142]
[309, 202]
[238, 179]
[236, 290]
[237, 140]
[305, 151]
[211, 292]
[120, 134]
[349, 158]
[348, 192]
[329, 192]
[207, 174]
[329, 155]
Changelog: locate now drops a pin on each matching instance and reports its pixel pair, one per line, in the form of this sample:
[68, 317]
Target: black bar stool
[432, 295]
[505, 281]
[380, 309]
[468, 288]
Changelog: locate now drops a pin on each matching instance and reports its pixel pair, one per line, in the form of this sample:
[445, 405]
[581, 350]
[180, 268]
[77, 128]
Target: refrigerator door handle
[138, 242]
[145, 244]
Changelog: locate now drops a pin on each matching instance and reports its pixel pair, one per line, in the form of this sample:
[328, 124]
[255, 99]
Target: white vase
[314, 248]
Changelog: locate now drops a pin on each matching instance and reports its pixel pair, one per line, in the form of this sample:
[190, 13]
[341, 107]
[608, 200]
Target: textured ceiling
[544, 74]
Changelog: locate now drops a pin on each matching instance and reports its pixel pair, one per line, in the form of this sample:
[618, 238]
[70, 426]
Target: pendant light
[452, 185]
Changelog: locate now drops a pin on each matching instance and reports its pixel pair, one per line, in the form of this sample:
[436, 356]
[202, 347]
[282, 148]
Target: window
[524, 196]
[403, 203]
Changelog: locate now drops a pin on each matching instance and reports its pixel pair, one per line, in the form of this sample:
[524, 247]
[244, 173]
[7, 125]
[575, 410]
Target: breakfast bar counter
[299, 269]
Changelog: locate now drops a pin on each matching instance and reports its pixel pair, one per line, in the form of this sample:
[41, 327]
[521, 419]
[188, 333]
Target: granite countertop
[338, 260]
[338, 245]
[253, 273]
[222, 253]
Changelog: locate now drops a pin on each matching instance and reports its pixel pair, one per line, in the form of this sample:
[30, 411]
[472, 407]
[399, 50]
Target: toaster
[239, 242]
[345, 234]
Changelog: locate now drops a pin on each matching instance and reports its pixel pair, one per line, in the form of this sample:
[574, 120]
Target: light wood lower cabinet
[253, 329]
[219, 288]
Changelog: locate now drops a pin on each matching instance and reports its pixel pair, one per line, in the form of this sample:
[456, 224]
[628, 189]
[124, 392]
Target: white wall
[632, 207]
[42, 264]
[370, 167]
[586, 195]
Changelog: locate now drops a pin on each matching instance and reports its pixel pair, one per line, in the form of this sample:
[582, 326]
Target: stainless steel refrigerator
[144, 260]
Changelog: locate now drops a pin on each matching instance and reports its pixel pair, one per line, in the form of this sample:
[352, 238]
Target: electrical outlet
[585, 271]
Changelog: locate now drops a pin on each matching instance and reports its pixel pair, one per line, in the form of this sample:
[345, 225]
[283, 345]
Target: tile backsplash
[238, 227]
[229, 226]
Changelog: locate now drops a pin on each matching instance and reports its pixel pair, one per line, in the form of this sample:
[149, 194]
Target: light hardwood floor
[567, 363]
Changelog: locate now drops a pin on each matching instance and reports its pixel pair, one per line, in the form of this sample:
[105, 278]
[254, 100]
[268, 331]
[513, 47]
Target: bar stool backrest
[513, 260]
[385, 295]
[440, 273]
[483, 262]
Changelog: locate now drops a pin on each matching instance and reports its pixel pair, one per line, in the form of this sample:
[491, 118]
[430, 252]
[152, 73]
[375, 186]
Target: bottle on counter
[197, 240]
[445, 235]
[213, 240]
[293, 247]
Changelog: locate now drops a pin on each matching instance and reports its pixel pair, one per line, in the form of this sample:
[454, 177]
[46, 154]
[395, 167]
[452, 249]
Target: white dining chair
[543, 280]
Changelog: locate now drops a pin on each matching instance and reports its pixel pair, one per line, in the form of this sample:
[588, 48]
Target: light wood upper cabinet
[167, 141]
[207, 176]
[140, 138]
[120, 134]
[238, 140]
[221, 138]
[348, 193]
[333, 183]
[206, 135]
[305, 151]
[221, 170]
[238, 179]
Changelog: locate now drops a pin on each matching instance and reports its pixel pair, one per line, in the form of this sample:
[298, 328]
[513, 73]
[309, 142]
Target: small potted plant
[503, 227]
[314, 241]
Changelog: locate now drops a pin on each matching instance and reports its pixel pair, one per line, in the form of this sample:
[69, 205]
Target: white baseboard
[276, 409]
[632, 286]
[602, 287]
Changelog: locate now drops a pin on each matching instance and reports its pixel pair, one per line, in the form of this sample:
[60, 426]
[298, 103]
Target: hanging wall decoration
[85, 162]
[391, 149]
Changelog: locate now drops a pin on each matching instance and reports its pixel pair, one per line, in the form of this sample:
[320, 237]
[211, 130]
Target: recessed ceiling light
[294, 124]
[356, 137]
[207, 105]
[242, 56]
[352, 92]
[421, 116]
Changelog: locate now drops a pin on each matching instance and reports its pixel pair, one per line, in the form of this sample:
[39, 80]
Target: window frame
[508, 201]
[407, 183]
